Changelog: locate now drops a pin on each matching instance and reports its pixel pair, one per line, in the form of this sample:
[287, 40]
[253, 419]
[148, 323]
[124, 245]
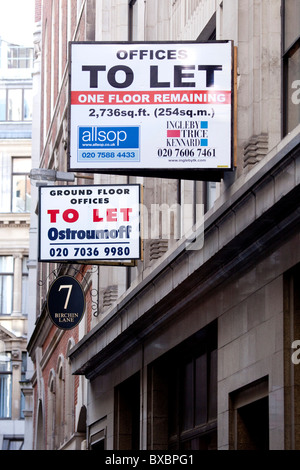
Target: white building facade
[15, 198]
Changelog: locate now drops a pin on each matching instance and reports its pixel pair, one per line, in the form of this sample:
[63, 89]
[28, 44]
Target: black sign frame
[200, 174]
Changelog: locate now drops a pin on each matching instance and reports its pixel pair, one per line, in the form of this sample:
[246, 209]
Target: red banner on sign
[151, 97]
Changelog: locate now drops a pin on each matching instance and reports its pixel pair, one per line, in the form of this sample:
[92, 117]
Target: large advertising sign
[145, 106]
[89, 223]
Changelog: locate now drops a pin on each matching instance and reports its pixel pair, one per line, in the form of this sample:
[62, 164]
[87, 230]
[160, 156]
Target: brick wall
[38, 11]
[54, 86]
[59, 23]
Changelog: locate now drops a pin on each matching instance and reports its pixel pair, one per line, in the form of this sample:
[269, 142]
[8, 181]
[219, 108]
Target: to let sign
[151, 106]
[89, 223]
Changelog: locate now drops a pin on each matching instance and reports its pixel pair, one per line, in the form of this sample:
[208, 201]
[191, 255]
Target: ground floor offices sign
[137, 107]
[89, 223]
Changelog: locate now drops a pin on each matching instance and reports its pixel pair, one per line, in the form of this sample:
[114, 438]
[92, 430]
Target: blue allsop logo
[95, 137]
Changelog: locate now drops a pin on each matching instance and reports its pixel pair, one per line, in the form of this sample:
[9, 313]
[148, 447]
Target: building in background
[16, 66]
[190, 348]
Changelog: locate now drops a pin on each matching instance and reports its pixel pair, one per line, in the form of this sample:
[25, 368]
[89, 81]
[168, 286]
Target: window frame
[25, 277]
[27, 183]
[180, 433]
[23, 101]
[8, 387]
[14, 56]
[5, 274]
[9, 440]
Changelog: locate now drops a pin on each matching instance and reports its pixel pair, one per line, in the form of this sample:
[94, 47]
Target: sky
[17, 21]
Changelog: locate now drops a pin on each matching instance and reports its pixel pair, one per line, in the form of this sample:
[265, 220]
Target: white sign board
[150, 106]
[89, 223]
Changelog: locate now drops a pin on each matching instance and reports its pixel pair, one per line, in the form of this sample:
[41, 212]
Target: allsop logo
[108, 137]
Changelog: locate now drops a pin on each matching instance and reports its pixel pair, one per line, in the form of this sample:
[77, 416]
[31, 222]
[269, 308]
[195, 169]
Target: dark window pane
[173, 404]
[12, 444]
[201, 390]
[212, 387]
[188, 396]
[192, 396]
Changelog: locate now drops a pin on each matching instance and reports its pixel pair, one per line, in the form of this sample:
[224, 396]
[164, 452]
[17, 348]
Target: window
[27, 104]
[210, 194]
[6, 284]
[51, 418]
[251, 434]
[291, 65]
[21, 184]
[69, 399]
[20, 57]
[16, 104]
[98, 442]
[249, 417]
[2, 105]
[5, 385]
[193, 400]
[59, 404]
[15, 194]
[12, 443]
[182, 395]
[23, 377]
[127, 415]
[24, 286]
